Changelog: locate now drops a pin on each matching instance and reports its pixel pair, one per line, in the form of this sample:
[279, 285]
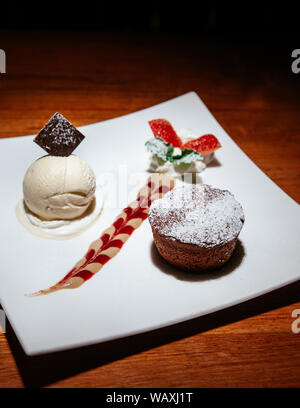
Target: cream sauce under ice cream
[60, 229]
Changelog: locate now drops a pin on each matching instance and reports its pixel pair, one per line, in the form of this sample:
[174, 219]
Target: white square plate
[136, 291]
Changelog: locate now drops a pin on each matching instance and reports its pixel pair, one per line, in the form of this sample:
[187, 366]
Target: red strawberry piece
[205, 144]
[163, 129]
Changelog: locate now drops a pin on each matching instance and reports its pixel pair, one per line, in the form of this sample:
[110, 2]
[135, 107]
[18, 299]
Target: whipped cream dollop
[59, 228]
[158, 165]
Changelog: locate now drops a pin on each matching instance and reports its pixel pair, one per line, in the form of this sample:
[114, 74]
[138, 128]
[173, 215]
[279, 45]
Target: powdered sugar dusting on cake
[197, 214]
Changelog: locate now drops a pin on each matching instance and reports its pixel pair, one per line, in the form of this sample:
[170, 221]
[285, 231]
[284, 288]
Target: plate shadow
[214, 163]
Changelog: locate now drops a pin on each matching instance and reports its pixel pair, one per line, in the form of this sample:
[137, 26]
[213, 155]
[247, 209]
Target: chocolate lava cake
[195, 227]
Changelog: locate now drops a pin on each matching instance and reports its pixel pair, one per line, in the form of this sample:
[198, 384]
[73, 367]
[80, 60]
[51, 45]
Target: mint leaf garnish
[170, 153]
[187, 157]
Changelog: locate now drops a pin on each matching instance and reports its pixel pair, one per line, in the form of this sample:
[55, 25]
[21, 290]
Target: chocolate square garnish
[59, 137]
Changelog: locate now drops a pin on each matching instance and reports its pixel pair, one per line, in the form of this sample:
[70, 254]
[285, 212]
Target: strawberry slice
[163, 129]
[205, 144]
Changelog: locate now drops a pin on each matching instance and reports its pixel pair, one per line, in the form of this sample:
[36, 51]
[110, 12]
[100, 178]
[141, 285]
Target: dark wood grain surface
[250, 89]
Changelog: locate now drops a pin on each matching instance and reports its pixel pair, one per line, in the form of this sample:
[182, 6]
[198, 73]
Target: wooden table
[252, 92]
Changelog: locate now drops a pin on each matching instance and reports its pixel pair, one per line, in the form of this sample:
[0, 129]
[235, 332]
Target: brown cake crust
[193, 257]
[201, 244]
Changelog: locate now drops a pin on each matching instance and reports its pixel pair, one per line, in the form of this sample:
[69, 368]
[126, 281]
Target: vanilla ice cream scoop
[57, 187]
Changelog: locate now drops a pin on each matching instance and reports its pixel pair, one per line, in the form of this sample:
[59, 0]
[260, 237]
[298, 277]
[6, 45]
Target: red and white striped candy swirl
[113, 238]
